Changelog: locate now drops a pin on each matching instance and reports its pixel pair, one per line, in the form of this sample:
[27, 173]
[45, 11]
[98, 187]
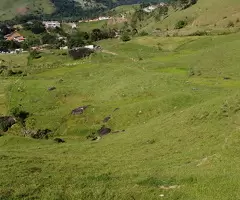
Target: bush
[198, 33]
[20, 115]
[125, 37]
[80, 52]
[13, 73]
[230, 24]
[180, 24]
[143, 33]
[34, 54]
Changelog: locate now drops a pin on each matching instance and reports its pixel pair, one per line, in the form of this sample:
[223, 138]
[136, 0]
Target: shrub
[125, 37]
[238, 20]
[198, 33]
[159, 46]
[180, 24]
[20, 115]
[80, 52]
[230, 24]
[13, 73]
[191, 72]
[143, 33]
[34, 54]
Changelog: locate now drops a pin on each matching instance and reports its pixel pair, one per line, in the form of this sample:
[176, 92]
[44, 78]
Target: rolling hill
[179, 107]
[204, 16]
[58, 8]
[172, 105]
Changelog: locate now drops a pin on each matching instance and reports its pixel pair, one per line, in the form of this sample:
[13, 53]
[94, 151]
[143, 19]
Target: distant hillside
[203, 16]
[59, 8]
[11, 8]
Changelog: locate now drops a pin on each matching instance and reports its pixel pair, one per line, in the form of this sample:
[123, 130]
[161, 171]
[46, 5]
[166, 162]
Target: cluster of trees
[79, 39]
[53, 37]
[39, 36]
[35, 26]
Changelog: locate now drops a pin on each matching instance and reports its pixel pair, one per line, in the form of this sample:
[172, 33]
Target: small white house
[103, 18]
[64, 48]
[93, 47]
[150, 9]
[73, 25]
[51, 24]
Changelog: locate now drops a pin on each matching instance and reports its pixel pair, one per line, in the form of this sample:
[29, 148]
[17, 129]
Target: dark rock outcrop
[104, 131]
[52, 88]
[6, 122]
[106, 119]
[59, 140]
[79, 110]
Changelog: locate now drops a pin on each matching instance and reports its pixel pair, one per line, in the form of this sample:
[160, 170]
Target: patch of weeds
[189, 180]
[181, 24]
[103, 177]
[21, 115]
[143, 33]
[159, 46]
[35, 170]
[125, 37]
[151, 141]
[34, 55]
[199, 33]
[154, 182]
[191, 72]
[14, 73]
[224, 110]
[6, 194]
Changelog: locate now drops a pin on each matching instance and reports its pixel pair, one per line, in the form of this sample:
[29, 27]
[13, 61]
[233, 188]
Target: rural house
[51, 24]
[154, 7]
[14, 36]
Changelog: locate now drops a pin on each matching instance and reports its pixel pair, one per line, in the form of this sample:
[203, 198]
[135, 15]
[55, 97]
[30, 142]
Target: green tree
[49, 38]
[37, 27]
[180, 24]
[125, 37]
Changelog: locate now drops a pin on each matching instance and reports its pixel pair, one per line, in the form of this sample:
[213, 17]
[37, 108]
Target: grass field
[178, 101]
[89, 26]
[12, 8]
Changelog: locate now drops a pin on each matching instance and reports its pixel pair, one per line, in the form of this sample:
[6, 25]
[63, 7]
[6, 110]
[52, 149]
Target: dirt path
[109, 52]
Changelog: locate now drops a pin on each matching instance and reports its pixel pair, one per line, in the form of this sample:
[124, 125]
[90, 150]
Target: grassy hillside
[205, 15]
[59, 9]
[11, 8]
[178, 101]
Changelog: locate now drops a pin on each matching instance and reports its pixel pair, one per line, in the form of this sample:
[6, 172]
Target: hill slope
[11, 8]
[205, 15]
[179, 107]
[60, 8]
